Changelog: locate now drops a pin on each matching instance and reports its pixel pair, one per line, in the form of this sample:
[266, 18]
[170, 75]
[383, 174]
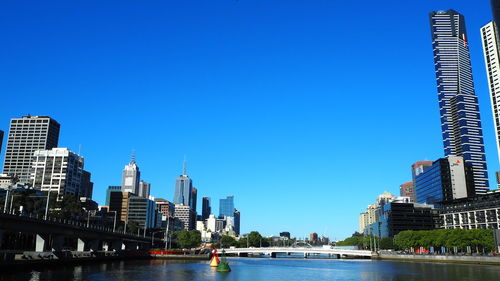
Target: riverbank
[11, 259]
[488, 260]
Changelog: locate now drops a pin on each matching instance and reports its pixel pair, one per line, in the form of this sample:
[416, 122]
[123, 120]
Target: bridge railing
[67, 222]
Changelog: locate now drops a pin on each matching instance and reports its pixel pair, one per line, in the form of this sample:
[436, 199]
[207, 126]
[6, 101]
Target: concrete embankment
[441, 258]
[13, 259]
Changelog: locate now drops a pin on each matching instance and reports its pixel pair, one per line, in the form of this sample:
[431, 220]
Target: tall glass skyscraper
[226, 207]
[491, 47]
[183, 192]
[460, 120]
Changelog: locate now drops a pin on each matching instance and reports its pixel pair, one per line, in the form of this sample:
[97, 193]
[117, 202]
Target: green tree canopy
[228, 241]
[188, 239]
[254, 239]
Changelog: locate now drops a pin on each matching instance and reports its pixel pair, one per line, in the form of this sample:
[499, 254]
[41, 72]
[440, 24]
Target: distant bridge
[272, 251]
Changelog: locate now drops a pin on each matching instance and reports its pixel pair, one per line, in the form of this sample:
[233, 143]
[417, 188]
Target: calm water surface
[261, 269]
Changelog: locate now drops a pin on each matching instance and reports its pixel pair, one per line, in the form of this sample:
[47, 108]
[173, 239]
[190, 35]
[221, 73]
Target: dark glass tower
[226, 207]
[459, 110]
[206, 209]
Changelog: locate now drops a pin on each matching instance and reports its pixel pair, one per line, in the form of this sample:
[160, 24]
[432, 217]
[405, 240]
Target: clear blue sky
[305, 111]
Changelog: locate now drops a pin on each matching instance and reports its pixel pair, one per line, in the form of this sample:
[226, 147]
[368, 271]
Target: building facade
[407, 189]
[118, 202]
[491, 47]
[237, 221]
[142, 211]
[112, 188]
[186, 215]
[87, 186]
[400, 215]
[482, 211]
[131, 177]
[194, 198]
[206, 209]
[27, 134]
[1, 141]
[459, 109]
[183, 190]
[57, 170]
[144, 189]
[226, 207]
[447, 179]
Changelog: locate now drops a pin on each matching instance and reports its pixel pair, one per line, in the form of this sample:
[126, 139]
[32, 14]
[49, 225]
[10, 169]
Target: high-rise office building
[459, 109]
[186, 215]
[131, 177]
[144, 189]
[112, 188]
[226, 207]
[419, 167]
[491, 47]
[87, 187]
[237, 217]
[183, 189]
[206, 209]
[27, 134]
[118, 202]
[142, 211]
[194, 198]
[447, 179]
[57, 170]
[1, 141]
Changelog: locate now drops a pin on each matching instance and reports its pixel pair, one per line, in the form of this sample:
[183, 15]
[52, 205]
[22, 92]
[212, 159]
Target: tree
[242, 243]
[188, 239]
[228, 241]
[386, 243]
[254, 239]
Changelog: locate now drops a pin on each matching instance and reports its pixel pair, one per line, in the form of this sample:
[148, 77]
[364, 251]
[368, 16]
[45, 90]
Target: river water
[254, 269]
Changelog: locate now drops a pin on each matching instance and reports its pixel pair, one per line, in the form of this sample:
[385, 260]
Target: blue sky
[305, 111]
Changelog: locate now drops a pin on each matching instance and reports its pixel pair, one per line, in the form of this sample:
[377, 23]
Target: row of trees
[480, 240]
[367, 242]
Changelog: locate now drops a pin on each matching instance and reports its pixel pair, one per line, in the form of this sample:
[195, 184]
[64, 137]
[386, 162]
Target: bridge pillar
[273, 255]
[242, 254]
[305, 255]
[80, 247]
[40, 243]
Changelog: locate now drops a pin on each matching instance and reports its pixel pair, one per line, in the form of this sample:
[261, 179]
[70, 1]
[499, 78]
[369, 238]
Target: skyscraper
[491, 48]
[183, 189]
[131, 177]
[206, 209]
[1, 140]
[407, 189]
[460, 120]
[27, 134]
[226, 207]
[144, 189]
[237, 217]
[194, 198]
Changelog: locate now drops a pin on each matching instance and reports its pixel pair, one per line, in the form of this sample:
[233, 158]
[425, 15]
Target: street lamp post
[166, 232]
[114, 221]
[47, 205]
[6, 199]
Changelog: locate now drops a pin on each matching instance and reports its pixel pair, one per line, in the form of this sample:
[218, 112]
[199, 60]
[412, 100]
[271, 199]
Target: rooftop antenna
[132, 158]
[79, 149]
[184, 168]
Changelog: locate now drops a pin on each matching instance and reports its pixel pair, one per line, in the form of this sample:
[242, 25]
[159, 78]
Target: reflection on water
[259, 269]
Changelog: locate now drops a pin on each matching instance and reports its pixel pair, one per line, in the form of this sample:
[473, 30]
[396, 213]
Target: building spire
[184, 167]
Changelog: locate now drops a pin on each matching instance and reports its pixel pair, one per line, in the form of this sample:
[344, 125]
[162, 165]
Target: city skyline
[264, 139]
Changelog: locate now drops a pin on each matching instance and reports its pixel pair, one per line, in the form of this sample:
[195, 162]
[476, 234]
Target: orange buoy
[215, 259]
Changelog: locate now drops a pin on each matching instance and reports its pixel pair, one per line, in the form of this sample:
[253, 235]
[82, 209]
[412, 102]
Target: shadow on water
[259, 269]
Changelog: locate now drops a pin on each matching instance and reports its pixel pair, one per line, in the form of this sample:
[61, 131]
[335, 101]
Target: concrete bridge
[51, 234]
[272, 251]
